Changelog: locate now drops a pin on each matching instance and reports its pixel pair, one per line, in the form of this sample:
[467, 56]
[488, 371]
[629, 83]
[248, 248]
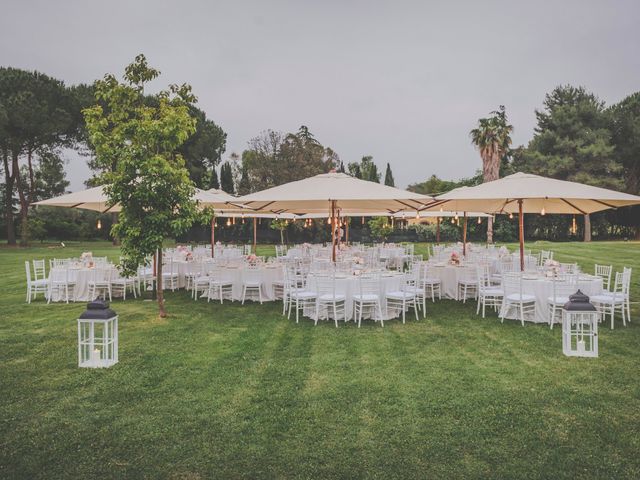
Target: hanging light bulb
[99, 225]
[329, 221]
[441, 209]
[362, 220]
[511, 216]
[453, 221]
[228, 222]
[456, 217]
[574, 226]
[479, 220]
[543, 211]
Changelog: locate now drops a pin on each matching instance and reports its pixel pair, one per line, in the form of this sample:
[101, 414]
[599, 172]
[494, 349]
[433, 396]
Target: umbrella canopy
[528, 193]
[538, 195]
[96, 200]
[90, 199]
[315, 195]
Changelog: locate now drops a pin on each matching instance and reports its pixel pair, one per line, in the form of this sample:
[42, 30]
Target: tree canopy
[150, 180]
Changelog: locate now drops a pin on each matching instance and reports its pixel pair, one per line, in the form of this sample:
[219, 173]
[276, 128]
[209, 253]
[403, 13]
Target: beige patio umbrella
[90, 199]
[329, 192]
[528, 193]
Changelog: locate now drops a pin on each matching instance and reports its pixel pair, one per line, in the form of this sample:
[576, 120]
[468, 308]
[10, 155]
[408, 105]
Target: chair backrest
[101, 274]
[562, 288]
[604, 272]
[326, 284]
[468, 273]
[252, 274]
[484, 279]
[28, 269]
[368, 284]
[626, 280]
[39, 270]
[512, 283]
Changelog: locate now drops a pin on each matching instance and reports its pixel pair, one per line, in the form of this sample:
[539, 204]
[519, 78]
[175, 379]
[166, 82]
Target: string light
[456, 217]
[362, 220]
[329, 221]
[99, 225]
[479, 220]
[418, 215]
[511, 216]
[453, 221]
[228, 222]
[543, 211]
[441, 209]
[574, 226]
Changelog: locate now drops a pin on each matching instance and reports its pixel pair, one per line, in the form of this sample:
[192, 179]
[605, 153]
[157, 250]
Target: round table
[80, 276]
[542, 288]
[269, 274]
[347, 285]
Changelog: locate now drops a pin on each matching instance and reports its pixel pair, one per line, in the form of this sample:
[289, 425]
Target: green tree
[625, 136]
[572, 141]
[244, 186]
[213, 179]
[226, 178]
[280, 224]
[435, 186]
[380, 228]
[354, 169]
[37, 113]
[369, 170]
[388, 177]
[274, 158]
[492, 137]
[150, 180]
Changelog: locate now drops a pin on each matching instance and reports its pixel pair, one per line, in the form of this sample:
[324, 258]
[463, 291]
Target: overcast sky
[402, 81]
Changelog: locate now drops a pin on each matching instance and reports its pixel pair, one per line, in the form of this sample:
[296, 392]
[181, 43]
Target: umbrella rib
[573, 206]
[604, 203]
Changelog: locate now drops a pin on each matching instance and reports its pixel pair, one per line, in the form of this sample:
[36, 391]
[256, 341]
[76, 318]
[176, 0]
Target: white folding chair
[35, 285]
[328, 300]
[488, 295]
[401, 300]
[604, 272]
[100, 282]
[367, 298]
[515, 297]
[562, 288]
[252, 282]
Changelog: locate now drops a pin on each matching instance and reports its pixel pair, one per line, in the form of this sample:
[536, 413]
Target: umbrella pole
[437, 230]
[213, 234]
[346, 228]
[521, 234]
[333, 231]
[255, 234]
[464, 236]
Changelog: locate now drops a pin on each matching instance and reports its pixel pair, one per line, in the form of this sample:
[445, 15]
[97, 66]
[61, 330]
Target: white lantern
[579, 327]
[97, 336]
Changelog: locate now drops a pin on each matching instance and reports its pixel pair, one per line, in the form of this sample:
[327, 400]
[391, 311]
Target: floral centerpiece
[87, 259]
[455, 259]
[552, 268]
[252, 259]
[358, 260]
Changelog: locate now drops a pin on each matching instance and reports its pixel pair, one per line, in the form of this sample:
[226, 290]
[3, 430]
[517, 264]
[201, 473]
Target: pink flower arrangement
[455, 259]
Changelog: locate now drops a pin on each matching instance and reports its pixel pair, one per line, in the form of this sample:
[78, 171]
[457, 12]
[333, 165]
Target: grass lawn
[240, 392]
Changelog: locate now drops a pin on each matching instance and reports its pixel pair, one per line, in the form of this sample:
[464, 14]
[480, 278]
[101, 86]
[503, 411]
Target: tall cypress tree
[226, 178]
[388, 177]
[213, 182]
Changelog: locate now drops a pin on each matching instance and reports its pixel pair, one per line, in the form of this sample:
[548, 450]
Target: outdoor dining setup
[345, 281]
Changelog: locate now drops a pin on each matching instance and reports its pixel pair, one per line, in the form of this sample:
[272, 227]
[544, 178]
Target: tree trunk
[114, 218]
[490, 172]
[8, 212]
[587, 228]
[24, 203]
[159, 286]
[490, 230]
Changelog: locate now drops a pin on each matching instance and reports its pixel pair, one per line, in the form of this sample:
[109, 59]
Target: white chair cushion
[400, 295]
[516, 297]
[430, 281]
[558, 300]
[252, 283]
[367, 297]
[328, 297]
[607, 298]
[492, 292]
[41, 282]
[301, 294]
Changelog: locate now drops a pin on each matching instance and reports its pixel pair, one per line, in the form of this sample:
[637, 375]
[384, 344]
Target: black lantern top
[579, 302]
[98, 310]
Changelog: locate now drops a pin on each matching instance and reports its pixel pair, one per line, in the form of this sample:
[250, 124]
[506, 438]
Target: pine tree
[226, 178]
[388, 177]
[213, 182]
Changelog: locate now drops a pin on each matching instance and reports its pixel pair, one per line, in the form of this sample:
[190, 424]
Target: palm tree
[492, 138]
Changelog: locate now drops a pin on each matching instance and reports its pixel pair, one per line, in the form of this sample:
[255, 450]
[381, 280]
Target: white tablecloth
[269, 274]
[81, 277]
[348, 286]
[449, 276]
[542, 288]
